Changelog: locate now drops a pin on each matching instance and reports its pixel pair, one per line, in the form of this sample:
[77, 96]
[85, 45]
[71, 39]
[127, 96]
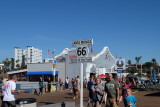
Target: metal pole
[81, 92]
[54, 69]
[54, 74]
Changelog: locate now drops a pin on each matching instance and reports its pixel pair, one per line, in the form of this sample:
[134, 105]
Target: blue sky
[129, 28]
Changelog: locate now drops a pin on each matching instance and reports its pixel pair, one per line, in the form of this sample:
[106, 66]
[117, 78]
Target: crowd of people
[102, 91]
[110, 92]
[107, 91]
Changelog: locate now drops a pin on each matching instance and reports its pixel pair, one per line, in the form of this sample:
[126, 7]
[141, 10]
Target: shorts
[9, 104]
[112, 102]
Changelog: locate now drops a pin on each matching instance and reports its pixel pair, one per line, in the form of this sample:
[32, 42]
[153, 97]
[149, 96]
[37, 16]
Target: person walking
[67, 83]
[2, 93]
[129, 100]
[9, 91]
[97, 96]
[49, 84]
[86, 82]
[89, 87]
[126, 85]
[112, 91]
[75, 88]
[79, 83]
[41, 85]
[61, 84]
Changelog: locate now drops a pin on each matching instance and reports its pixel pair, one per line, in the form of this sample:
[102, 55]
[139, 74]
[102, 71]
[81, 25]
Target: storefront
[35, 75]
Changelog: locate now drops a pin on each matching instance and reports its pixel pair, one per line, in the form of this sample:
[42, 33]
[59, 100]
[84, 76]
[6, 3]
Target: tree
[18, 66]
[24, 66]
[17, 61]
[148, 65]
[129, 62]
[6, 64]
[138, 59]
[132, 70]
[154, 63]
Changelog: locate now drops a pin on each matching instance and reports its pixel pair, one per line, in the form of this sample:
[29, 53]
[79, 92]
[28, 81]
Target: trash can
[26, 102]
[54, 86]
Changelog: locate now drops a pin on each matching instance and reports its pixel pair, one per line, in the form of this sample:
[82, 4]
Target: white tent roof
[18, 71]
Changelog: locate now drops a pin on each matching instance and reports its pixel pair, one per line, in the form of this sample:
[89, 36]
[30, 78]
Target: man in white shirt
[9, 90]
[67, 83]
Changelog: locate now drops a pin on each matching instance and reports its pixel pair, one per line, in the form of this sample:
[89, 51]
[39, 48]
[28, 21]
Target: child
[129, 100]
[126, 85]
[97, 95]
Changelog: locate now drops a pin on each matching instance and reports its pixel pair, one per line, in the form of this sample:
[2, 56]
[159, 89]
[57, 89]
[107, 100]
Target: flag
[92, 50]
[54, 51]
[48, 52]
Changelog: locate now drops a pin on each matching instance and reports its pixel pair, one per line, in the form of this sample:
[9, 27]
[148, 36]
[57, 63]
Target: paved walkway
[145, 99]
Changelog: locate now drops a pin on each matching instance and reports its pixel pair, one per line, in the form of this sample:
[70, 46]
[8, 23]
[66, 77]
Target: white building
[102, 63]
[28, 55]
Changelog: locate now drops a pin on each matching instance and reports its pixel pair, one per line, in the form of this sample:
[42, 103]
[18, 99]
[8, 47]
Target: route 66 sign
[82, 51]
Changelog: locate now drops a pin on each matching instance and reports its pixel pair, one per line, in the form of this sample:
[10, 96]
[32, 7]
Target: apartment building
[28, 55]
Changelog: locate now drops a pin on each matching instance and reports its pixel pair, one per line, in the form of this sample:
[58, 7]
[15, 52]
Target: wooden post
[21, 76]
[8, 76]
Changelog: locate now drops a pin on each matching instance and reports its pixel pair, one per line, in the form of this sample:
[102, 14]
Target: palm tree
[129, 62]
[137, 60]
[154, 62]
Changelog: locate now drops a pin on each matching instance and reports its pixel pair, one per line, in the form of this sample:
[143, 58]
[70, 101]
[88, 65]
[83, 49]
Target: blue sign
[154, 75]
[120, 71]
[54, 61]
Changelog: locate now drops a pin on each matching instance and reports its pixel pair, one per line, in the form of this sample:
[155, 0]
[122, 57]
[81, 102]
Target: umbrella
[102, 75]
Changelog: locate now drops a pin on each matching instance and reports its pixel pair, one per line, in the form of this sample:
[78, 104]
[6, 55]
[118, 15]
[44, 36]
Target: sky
[129, 28]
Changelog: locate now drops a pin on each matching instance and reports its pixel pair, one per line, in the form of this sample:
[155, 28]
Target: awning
[102, 75]
[42, 73]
